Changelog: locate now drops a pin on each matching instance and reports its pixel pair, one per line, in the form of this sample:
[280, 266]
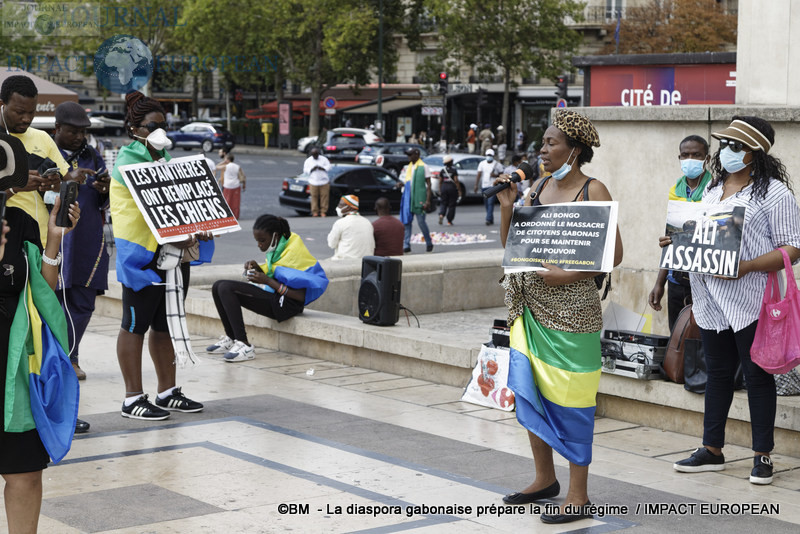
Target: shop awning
[388, 106]
[50, 94]
[270, 109]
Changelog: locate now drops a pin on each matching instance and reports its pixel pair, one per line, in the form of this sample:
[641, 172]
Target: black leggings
[231, 296]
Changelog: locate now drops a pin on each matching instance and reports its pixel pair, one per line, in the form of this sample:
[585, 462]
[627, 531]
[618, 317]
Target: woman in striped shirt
[727, 309]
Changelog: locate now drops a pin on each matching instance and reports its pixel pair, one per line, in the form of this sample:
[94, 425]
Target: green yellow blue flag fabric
[292, 264]
[135, 243]
[41, 387]
[554, 376]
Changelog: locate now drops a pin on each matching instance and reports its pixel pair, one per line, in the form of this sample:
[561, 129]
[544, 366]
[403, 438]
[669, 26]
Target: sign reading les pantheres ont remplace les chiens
[575, 236]
[179, 198]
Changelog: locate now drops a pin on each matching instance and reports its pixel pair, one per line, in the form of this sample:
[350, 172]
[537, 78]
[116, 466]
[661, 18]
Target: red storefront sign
[663, 85]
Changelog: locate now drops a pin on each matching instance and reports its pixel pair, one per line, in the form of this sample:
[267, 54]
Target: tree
[212, 29]
[512, 38]
[667, 26]
[326, 42]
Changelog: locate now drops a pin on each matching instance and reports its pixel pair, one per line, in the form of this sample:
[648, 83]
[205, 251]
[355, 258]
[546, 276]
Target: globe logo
[44, 25]
[123, 64]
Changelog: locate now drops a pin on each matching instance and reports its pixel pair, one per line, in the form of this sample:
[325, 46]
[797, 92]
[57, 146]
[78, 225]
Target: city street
[265, 174]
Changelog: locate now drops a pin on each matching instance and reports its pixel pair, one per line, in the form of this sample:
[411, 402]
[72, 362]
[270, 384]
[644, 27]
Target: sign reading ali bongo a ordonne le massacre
[179, 198]
[575, 236]
[705, 239]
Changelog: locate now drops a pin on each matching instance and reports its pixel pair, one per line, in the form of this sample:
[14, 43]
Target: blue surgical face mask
[732, 161]
[565, 168]
[490, 158]
[692, 168]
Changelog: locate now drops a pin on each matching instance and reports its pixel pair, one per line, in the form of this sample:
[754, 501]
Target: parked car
[467, 167]
[367, 182]
[390, 156]
[305, 144]
[203, 135]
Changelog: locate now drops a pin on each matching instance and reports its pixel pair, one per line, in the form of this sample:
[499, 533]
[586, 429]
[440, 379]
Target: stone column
[768, 53]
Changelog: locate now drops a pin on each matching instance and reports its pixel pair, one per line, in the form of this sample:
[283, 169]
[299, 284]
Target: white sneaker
[223, 345]
[240, 352]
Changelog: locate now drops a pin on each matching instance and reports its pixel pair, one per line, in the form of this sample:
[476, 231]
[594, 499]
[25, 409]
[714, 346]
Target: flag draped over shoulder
[135, 243]
[41, 386]
[292, 264]
[554, 376]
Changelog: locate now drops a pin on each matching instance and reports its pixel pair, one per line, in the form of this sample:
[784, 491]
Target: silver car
[467, 167]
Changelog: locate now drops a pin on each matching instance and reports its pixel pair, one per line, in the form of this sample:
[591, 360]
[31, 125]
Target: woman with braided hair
[289, 279]
[144, 292]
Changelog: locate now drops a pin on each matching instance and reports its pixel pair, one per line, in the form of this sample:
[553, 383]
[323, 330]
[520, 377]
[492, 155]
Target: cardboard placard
[179, 198]
[705, 239]
[575, 236]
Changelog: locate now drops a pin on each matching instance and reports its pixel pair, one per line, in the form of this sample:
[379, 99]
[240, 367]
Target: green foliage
[668, 26]
[516, 37]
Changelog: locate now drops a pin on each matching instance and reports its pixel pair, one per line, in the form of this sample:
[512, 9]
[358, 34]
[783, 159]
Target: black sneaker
[178, 402]
[144, 409]
[701, 460]
[762, 470]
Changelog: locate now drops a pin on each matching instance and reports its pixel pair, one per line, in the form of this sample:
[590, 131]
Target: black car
[390, 156]
[368, 183]
[343, 146]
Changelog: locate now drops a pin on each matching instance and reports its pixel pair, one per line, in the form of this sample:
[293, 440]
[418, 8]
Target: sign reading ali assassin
[575, 236]
[704, 239]
[179, 198]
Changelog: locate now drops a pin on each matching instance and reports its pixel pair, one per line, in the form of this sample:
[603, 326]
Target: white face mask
[339, 211]
[157, 139]
[565, 168]
[273, 244]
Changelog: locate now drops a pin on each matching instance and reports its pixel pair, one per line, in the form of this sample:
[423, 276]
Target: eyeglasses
[153, 126]
[735, 146]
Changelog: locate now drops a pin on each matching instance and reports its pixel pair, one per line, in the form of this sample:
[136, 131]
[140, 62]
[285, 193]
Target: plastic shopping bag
[489, 383]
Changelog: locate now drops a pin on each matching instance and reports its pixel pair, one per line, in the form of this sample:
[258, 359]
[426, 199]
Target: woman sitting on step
[289, 279]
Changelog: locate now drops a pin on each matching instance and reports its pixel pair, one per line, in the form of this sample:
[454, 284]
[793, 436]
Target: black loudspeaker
[379, 294]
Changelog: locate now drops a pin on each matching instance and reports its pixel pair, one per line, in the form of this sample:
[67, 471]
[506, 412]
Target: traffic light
[442, 83]
[561, 87]
[483, 98]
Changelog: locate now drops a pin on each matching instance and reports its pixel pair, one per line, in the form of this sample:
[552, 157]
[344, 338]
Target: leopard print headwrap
[576, 126]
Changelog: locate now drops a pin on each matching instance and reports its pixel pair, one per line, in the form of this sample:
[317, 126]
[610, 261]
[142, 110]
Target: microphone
[524, 172]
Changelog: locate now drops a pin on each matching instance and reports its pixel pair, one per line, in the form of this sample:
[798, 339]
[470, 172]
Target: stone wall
[638, 162]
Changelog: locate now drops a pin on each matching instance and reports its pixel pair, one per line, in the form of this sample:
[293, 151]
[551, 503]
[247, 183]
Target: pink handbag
[776, 345]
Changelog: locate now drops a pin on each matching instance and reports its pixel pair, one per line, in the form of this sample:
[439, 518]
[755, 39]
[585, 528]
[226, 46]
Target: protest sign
[179, 198]
[575, 236]
[705, 239]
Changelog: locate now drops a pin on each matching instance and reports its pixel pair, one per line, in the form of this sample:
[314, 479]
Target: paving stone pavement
[292, 443]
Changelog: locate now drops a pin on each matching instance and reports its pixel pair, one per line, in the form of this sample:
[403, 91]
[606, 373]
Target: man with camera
[84, 256]
[18, 99]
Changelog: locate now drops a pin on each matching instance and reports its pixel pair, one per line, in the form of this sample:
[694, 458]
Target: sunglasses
[735, 146]
[153, 126]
